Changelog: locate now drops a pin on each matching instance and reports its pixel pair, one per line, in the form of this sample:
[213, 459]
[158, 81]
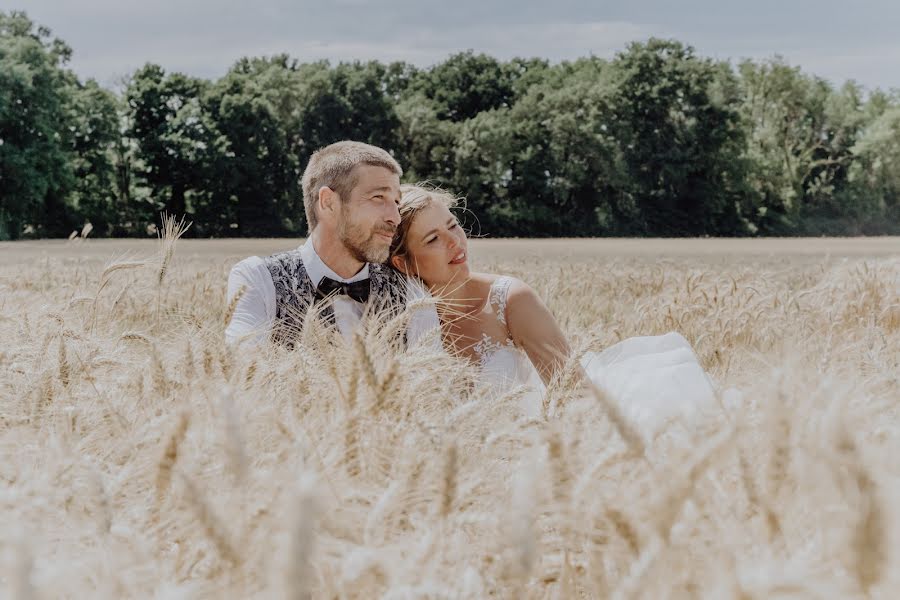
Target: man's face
[369, 217]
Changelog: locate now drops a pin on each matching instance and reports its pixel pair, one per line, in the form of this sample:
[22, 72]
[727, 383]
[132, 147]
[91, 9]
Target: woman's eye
[431, 240]
[454, 226]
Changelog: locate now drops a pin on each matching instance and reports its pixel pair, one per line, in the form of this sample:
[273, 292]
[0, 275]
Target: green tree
[35, 173]
[164, 119]
[455, 131]
[257, 109]
[349, 101]
[679, 132]
[550, 165]
[875, 177]
[95, 134]
[800, 135]
[467, 84]
[657, 141]
[426, 143]
[398, 77]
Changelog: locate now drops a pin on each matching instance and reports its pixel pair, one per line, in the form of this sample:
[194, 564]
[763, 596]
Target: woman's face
[436, 248]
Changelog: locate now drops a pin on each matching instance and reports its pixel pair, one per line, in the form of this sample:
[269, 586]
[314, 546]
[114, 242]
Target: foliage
[36, 172]
[657, 141]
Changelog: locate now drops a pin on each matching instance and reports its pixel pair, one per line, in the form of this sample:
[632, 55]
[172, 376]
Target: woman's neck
[463, 297]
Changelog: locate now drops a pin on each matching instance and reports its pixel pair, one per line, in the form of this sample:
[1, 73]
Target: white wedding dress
[653, 379]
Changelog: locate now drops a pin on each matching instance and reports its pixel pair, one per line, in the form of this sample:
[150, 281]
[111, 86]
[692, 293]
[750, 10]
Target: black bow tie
[358, 290]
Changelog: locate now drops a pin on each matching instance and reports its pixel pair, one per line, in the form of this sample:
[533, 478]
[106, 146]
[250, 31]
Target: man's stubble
[361, 242]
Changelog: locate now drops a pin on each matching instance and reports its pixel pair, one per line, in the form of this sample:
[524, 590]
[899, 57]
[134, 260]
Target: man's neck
[335, 255]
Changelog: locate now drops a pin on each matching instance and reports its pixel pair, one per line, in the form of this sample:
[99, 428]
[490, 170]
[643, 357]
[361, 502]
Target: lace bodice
[502, 362]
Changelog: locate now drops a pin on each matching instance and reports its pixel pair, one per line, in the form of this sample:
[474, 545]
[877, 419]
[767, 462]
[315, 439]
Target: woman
[502, 325]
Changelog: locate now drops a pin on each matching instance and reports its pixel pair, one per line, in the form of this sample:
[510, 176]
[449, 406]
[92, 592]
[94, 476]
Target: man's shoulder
[388, 284]
[293, 255]
[288, 261]
[388, 275]
[248, 265]
[383, 270]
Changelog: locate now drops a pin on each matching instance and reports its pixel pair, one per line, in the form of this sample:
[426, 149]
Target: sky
[110, 38]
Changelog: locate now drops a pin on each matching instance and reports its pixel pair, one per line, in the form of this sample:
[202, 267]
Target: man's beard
[362, 244]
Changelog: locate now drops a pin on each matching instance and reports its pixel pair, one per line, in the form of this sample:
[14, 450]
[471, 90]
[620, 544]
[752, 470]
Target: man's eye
[454, 226]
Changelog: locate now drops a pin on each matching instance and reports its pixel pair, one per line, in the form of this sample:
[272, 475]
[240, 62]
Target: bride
[503, 326]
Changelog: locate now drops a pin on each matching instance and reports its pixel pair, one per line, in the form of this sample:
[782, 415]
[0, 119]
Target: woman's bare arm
[533, 328]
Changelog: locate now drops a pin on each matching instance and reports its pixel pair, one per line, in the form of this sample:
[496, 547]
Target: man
[351, 192]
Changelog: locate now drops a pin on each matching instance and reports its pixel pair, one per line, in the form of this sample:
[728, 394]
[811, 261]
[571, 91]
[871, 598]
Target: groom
[351, 192]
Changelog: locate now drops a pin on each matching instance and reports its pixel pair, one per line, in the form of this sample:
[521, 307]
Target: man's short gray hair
[332, 167]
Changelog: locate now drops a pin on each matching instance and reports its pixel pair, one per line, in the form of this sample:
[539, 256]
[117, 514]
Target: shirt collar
[317, 269]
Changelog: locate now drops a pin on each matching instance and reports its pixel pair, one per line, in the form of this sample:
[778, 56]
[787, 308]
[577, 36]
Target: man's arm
[251, 296]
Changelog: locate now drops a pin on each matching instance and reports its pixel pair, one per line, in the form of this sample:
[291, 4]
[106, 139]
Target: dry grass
[142, 458]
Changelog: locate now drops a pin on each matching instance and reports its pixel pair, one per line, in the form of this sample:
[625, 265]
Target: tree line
[656, 141]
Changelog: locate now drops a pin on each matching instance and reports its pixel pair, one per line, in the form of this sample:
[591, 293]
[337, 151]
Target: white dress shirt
[254, 314]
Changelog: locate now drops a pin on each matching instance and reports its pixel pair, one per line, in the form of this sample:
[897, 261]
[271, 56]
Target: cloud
[204, 37]
[866, 65]
[210, 53]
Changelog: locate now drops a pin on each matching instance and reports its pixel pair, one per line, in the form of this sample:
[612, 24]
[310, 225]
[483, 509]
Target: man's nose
[393, 216]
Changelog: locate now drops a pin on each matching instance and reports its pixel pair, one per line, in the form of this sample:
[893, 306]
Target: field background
[143, 458]
[230, 250]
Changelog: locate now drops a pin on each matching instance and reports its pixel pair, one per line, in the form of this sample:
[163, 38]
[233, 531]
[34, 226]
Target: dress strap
[499, 296]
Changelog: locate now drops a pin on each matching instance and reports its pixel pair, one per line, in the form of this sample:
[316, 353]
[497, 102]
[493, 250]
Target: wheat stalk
[135, 336]
[23, 585]
[64, 371]
[172, 230]
[234, 444]
[448, 481]
[670, 506]
[440, 485]
[624, 528]
[868, 543]
[187, 361]
[299, 575]
[212, 525]
[170, 455]
[160, 377]
[232, 305]
[365, 362]
[628, 433]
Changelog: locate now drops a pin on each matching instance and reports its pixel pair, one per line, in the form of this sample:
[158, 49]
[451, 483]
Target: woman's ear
[399, 263]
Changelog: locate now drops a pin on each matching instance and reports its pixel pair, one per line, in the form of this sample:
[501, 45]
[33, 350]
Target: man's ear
[328, 200]
[399, 263]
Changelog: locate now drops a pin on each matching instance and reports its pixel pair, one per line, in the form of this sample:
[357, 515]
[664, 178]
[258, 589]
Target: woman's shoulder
[494, 280]
[510, 286]
[508, 294]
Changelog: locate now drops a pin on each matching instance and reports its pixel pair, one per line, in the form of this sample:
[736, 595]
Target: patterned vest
[295, 292]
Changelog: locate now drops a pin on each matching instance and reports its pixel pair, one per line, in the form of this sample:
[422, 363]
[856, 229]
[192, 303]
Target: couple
[375, 244]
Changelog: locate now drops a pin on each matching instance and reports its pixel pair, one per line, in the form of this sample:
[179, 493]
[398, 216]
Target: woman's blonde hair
[414, 198]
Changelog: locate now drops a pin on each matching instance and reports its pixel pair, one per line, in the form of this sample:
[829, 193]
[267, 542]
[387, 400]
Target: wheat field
[142, 458]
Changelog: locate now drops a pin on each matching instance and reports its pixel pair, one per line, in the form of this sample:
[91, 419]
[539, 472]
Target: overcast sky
[838, 40]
